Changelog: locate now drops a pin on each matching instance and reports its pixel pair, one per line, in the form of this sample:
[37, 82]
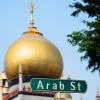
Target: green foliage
[91, 7]
[88, 41]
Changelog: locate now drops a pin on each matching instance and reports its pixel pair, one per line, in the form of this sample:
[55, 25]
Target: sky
[53, 19]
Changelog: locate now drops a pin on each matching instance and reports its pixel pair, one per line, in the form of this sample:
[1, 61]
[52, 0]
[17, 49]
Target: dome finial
[31, 28]
[31, 14]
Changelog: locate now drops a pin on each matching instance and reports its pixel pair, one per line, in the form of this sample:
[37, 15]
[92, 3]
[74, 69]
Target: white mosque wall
[31, 97]
[37, 98]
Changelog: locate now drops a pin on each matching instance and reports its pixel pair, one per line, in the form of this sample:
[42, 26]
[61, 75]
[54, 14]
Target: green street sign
[58, 85]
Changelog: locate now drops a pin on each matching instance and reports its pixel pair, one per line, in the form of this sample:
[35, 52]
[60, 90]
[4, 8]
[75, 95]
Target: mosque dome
[37, 55]
[66, 95]
[63, 95]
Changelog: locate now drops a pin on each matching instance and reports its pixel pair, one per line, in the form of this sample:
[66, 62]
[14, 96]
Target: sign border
[57, 91]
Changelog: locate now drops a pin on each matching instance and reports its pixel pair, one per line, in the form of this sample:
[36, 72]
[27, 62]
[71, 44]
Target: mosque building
[31, 56]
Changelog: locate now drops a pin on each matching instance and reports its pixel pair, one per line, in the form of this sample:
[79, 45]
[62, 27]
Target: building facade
[31, 56]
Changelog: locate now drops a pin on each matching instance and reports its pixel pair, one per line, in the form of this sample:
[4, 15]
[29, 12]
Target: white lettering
[73, 86]
[61, 86]
[54, 86]
[40, 85]
[79, 85]
[48, 85]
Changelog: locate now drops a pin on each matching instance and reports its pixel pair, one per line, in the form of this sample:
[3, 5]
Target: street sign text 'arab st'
[58, 85]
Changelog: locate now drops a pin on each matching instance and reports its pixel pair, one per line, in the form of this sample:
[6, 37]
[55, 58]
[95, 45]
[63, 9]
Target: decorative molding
[26, 91]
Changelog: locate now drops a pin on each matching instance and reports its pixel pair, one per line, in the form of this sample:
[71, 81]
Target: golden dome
[37, 55]
[63, 95]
